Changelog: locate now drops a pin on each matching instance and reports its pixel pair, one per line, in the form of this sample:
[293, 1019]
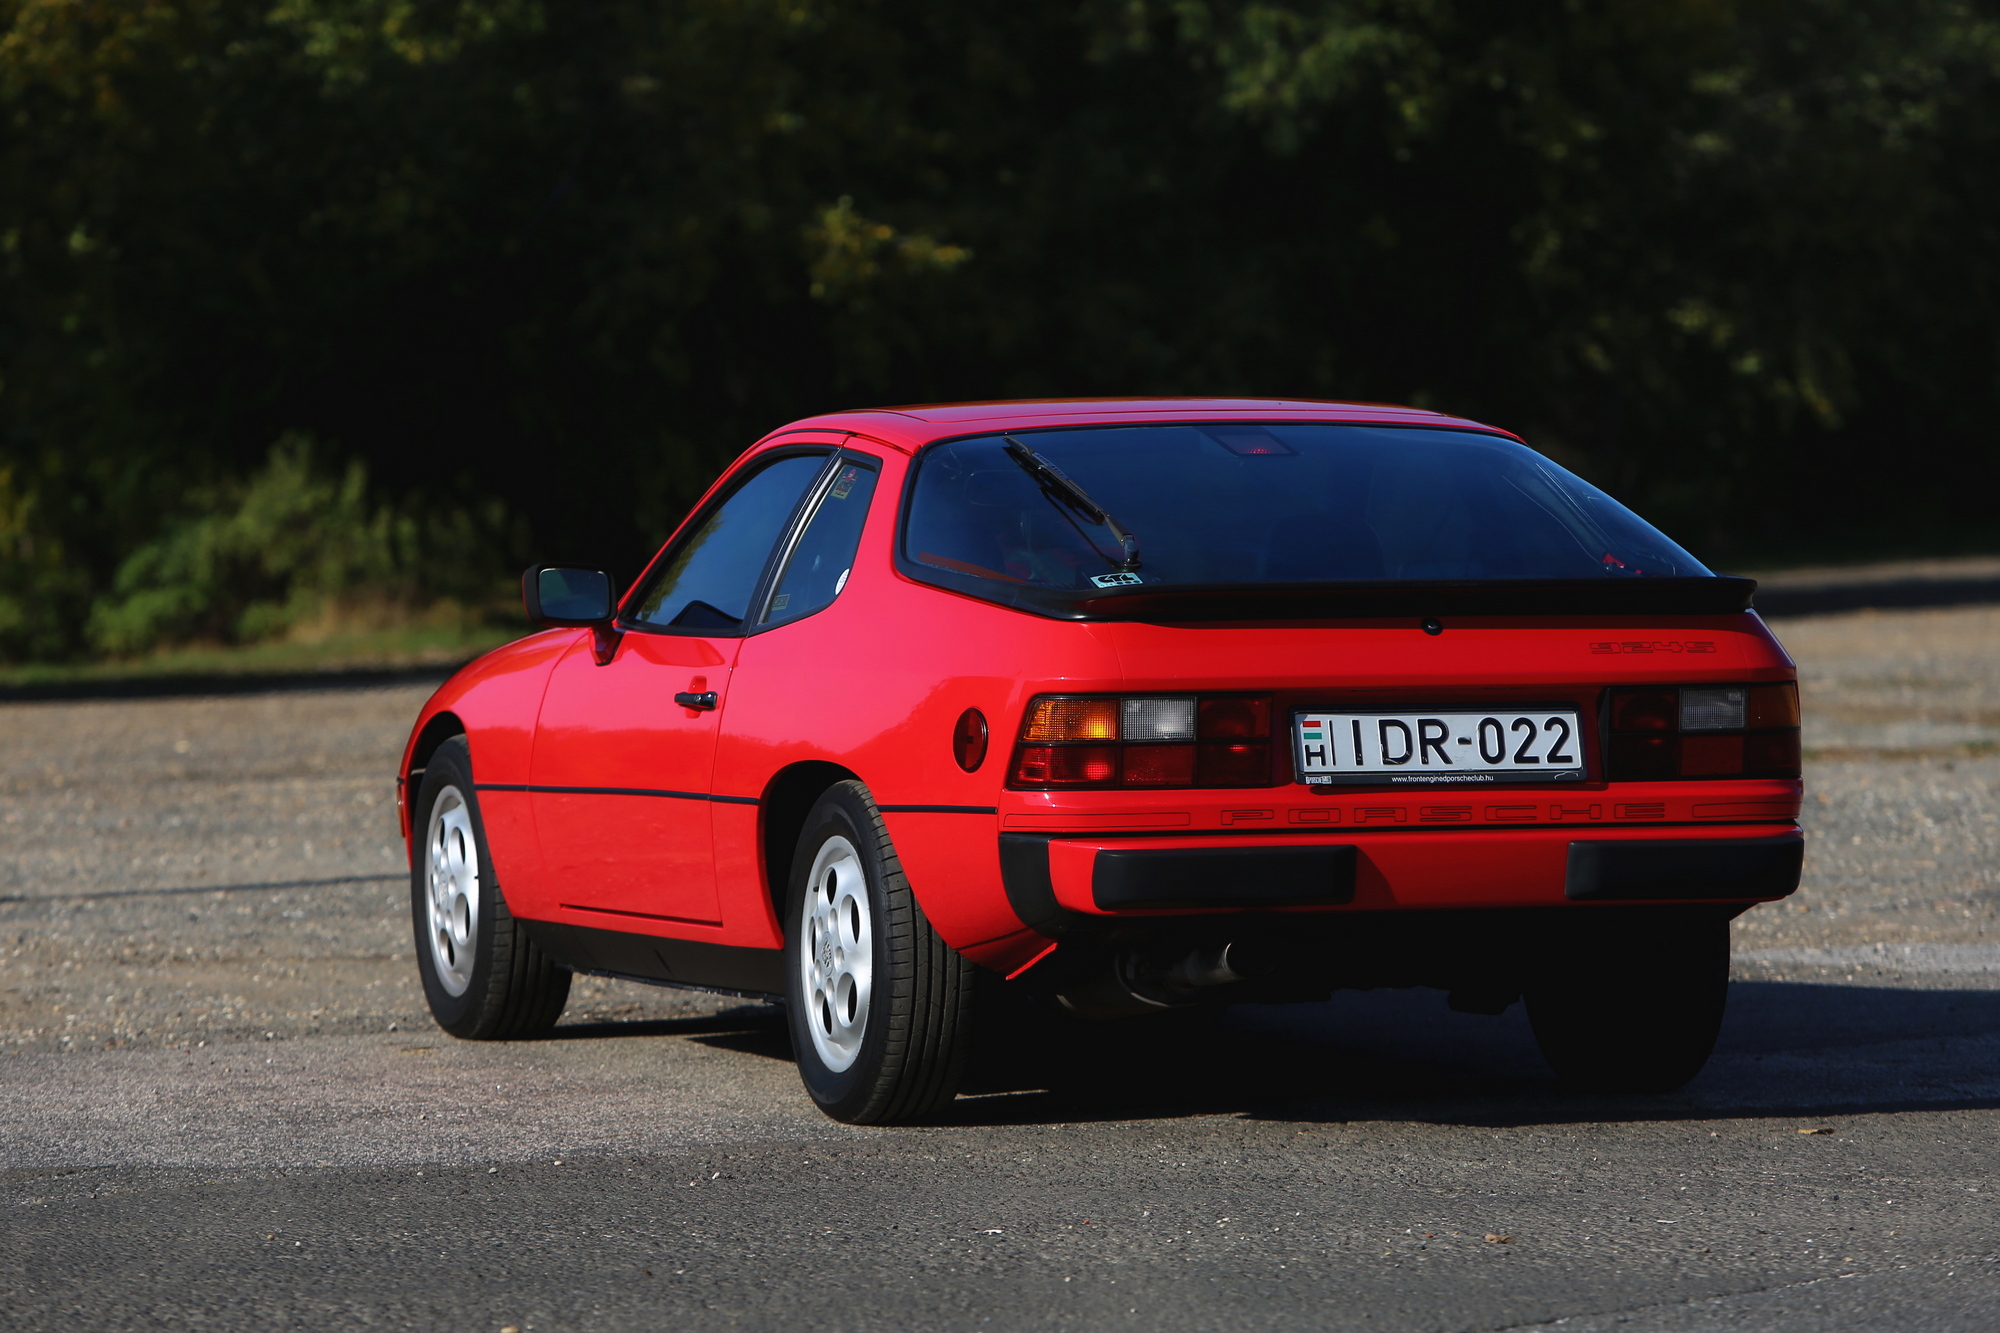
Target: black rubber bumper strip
[1684, 868]
[1223, 877]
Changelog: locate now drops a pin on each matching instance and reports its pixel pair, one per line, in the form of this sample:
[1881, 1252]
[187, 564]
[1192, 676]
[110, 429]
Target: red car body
[644, 838]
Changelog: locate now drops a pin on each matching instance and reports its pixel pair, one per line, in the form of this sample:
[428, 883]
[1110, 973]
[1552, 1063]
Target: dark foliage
[1734, 259]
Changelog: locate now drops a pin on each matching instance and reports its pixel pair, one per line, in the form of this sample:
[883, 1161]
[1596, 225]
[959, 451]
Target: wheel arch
[788, 798]
[441, 728]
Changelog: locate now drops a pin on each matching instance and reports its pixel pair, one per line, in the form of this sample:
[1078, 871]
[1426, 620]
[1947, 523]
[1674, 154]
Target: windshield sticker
[1118, 580]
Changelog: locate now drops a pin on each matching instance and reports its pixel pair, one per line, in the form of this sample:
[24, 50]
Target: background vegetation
[328, 312]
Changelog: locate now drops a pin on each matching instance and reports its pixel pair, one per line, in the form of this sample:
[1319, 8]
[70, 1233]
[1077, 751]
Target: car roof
[911, 427]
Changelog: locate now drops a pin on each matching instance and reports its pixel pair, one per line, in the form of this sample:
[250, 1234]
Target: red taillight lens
[1240, 765]
[1637, 758]
[1774, 706]
[1711, 756]
[1772, 752]
[1234, 718]
[1159, 765]
[1137, 741]
[1703, 731]
[1645, 710]
[1066, 765]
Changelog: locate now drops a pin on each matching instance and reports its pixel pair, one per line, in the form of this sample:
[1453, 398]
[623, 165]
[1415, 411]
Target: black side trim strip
[643, 916]
[687, 964]
[618, 791]
[1684, 868]
[1024, 873]
[939, 809]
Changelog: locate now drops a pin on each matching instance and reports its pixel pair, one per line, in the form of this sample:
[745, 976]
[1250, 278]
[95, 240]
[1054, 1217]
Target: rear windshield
[1217, 504]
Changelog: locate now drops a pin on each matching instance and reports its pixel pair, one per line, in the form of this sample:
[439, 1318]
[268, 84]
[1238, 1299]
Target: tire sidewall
[839, 813]
[451, 766]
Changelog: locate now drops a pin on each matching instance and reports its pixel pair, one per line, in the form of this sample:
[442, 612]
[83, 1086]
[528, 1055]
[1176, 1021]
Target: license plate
[1438, 747]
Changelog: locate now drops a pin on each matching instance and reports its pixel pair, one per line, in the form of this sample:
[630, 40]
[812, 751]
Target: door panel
[621, 777]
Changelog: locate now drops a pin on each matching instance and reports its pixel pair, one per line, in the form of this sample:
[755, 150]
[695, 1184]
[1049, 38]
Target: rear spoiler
[1441, 597]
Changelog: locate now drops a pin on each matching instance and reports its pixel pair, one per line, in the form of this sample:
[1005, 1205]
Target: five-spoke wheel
[880, 1007]
[839, 953]
[483, 977]
[453, 890]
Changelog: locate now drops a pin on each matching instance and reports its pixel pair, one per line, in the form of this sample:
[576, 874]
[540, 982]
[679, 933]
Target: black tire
[905, 1048]
[1631, 1000]
[505, 986]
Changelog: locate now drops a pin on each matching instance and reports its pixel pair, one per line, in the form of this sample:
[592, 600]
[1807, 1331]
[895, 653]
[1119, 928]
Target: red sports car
[1134, 704]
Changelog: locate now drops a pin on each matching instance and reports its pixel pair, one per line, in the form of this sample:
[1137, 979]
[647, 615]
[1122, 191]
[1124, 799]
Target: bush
[296, 550]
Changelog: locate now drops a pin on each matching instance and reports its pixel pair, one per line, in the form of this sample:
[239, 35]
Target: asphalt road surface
[222, 1104]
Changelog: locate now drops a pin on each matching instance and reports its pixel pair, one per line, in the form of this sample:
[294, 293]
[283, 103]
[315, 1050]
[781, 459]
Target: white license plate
[1438, 747]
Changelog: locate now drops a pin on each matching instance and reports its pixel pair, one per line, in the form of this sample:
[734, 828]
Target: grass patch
[413, 645]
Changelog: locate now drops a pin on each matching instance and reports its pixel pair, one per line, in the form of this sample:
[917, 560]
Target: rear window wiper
[1059, 487]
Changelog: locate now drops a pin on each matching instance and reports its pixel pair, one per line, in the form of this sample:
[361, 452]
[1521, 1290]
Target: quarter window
[820, 564]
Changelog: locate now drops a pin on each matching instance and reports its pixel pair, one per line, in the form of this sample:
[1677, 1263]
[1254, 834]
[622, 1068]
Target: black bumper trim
[1630, 870]
[1024, 873]
[1224, 877]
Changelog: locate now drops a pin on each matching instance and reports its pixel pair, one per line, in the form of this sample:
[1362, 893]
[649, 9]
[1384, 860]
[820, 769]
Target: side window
[820, 563]
[707, 584]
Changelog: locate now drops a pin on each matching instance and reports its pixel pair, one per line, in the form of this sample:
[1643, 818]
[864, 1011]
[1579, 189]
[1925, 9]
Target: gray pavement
[221, 1103]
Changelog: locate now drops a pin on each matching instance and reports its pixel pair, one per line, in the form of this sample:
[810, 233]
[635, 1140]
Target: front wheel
[880, 1007]
[484, 979]
[1631, 1000]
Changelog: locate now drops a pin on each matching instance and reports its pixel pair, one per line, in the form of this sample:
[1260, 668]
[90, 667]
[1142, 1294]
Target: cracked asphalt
[222, 1104]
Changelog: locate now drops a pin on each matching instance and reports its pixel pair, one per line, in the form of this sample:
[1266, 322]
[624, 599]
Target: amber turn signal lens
[1774, 705]
[968, 739]
[1071, 720]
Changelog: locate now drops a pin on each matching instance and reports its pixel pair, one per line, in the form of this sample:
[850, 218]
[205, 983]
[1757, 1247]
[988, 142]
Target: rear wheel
[1631, 1000]
[880, 1007]
[484, 979]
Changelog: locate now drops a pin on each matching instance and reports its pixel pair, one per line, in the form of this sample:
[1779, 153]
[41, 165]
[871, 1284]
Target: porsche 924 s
[1132, 705]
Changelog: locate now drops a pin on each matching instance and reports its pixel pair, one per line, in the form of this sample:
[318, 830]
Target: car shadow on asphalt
[1788, 1049]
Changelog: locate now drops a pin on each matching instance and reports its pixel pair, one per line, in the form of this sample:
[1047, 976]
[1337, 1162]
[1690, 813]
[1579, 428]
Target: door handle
[705, 699]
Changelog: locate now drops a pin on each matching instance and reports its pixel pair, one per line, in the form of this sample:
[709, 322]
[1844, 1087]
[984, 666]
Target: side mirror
[566, 596]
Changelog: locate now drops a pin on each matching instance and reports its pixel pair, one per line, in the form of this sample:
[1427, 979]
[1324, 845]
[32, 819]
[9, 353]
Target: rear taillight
[1140, 741]
[1704, 731]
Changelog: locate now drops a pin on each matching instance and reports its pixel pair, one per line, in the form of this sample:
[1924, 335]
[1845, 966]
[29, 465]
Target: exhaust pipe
[1127, 989]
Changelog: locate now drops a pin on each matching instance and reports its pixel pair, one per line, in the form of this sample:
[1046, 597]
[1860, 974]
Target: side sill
[724, 969]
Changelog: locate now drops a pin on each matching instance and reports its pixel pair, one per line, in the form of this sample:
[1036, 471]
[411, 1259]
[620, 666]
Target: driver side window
[706, 584]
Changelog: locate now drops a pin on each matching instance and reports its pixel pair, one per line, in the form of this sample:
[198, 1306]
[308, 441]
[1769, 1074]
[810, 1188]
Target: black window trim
[795, 531]
[760, 591]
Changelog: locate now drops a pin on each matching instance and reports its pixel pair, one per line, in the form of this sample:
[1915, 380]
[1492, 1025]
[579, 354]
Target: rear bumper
[1051, 881]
